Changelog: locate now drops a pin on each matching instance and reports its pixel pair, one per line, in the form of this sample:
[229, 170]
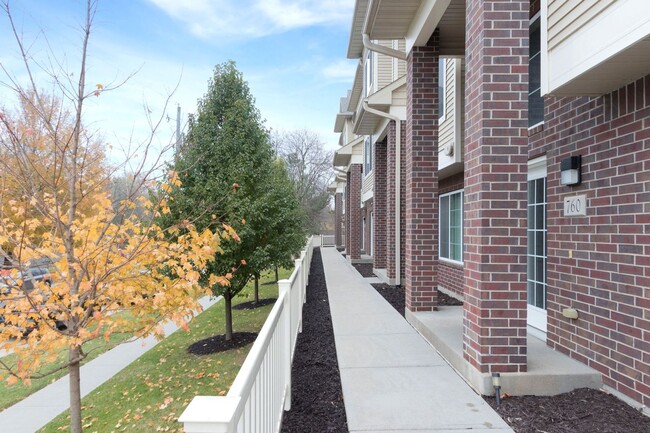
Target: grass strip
[151, 393]
[12, 394]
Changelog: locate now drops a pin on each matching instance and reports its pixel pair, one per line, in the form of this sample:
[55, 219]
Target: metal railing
[262, 389]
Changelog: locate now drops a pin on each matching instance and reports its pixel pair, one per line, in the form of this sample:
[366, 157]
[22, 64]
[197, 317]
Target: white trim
[462, 226]
[442, 76]
[537, 319]
[543, 36]
[537, 168]
[530, 128]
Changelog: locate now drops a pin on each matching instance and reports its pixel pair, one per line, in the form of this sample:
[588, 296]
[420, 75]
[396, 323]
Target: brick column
[354, 215]
[338, 217]
[379, 223]
[391, 161]
[422, 177]
[494, 334]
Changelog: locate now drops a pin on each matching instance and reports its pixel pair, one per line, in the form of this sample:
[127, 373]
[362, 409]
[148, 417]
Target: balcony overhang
[412, 20]
[355, 45]
[368, 123]
[608, 51]
[341, 118]
[349, 154]
[357, 89]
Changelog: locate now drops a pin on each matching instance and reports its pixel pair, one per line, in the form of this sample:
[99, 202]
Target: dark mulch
[581, 411]
[218, 343]
[395, 297]
[250, 305]
[365, 269]
[446, 300]
[317, 397]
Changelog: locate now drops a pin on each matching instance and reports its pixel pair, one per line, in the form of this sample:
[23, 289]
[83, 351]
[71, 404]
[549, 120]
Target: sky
[291, 53]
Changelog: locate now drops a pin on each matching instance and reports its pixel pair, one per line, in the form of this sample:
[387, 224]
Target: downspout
[398, 175]
[390, 52]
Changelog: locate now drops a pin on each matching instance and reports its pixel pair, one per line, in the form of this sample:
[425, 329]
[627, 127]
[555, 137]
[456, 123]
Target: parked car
[24, 280]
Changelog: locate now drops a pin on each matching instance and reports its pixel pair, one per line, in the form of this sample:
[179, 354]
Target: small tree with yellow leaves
[114, 271]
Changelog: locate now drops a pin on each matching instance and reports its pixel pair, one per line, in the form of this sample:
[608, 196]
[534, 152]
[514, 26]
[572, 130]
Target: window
[535, 99]
[368, 73]
[451, 226]
[367, 160]
[442, 87]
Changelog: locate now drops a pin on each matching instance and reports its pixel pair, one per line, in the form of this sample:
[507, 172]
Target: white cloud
[254, 18]
[341, 70]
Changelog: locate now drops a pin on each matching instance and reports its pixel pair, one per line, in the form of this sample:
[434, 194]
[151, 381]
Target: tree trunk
[257, 288]
[277, 276]
[228, 298]
[75, 391]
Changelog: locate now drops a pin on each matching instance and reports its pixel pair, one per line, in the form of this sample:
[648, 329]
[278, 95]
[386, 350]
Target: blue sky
[291, 52]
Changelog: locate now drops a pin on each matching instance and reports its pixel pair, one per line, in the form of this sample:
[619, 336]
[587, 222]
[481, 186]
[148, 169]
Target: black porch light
[571, 171]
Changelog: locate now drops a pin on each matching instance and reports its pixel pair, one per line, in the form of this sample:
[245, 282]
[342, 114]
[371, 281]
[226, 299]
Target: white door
[536, 275]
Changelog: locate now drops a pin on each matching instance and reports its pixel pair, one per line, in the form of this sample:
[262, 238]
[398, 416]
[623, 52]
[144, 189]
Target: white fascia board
[595, 43]
[425, 22]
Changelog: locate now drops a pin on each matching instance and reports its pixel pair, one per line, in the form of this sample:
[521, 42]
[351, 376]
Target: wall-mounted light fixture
[571, 171]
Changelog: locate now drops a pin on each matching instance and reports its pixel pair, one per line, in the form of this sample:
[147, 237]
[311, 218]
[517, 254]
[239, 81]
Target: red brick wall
[391, 269]
[599, 264]
[422, 177]
[450, 275]
[338, 218]
[354, 214]
[380, 227]
[496, 144]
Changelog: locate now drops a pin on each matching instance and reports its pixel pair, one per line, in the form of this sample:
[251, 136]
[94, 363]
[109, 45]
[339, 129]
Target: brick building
[499, 152]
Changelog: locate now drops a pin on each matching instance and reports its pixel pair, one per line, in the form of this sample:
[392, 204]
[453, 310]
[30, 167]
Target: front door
[537, 246]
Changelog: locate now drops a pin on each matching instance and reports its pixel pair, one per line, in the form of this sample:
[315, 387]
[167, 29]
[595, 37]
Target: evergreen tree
[227, 151]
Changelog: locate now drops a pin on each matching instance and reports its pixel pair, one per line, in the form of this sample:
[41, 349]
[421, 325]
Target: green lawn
[151, 393]
[12, 394]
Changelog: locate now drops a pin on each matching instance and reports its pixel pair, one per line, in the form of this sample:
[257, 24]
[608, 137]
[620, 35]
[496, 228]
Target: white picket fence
[262, 389]
[327, 241]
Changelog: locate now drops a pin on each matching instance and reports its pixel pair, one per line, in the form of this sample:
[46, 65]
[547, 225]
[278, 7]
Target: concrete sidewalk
[392, 379]
[40, 408]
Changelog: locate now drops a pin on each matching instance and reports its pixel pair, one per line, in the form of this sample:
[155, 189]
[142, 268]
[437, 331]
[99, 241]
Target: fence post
[284, 287]
[210, 414]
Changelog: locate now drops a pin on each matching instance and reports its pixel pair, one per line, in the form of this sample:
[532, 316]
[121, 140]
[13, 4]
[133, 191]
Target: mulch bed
[251, 305]
[317, 397]
[317, 400]
[580, 411]
[395, 297]
[218, 343]
[365, 269]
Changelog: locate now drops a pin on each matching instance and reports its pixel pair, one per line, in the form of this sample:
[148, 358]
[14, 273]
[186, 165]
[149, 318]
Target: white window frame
[369, 72]
[462, 227]
[368, 165]
[442, 89]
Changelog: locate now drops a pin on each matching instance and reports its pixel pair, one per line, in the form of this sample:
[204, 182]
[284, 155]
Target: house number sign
[575, 206]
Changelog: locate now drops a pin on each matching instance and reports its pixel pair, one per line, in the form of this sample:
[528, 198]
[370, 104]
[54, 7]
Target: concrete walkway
[393, 380]
[41, 407]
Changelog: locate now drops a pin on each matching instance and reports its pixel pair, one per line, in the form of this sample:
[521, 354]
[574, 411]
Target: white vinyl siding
[567, 17]
[384, 67]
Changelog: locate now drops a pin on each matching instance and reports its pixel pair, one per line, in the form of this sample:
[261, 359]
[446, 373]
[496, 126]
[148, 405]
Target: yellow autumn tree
[113, 269]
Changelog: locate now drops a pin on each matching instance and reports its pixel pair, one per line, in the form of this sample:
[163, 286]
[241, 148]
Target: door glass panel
[537, 243]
